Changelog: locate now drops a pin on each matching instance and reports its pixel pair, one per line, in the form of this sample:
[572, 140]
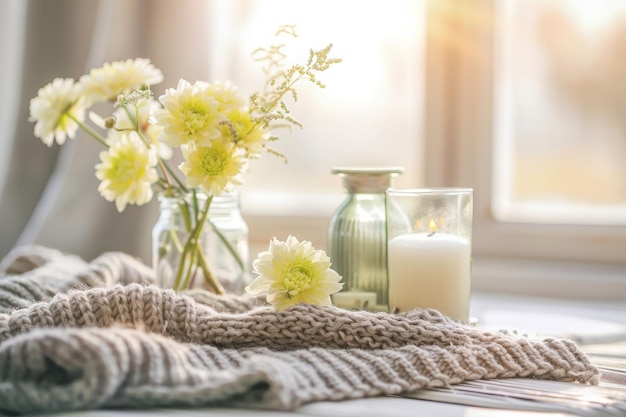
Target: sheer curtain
[49, 196]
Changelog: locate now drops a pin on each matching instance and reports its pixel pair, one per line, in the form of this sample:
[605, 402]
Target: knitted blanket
[77, 335]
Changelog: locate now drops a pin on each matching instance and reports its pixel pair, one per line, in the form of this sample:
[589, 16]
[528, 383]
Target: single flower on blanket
[293, 272]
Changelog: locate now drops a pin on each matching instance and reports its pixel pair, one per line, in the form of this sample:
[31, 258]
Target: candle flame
[432, 226]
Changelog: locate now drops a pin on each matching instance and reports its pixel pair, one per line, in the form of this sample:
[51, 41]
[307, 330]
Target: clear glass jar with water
[172, 230]
[225, 214]
[357, 242]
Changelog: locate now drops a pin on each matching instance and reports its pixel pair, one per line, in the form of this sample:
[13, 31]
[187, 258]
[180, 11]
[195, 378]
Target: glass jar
[225, 214]
[173, 228]
[357, 237]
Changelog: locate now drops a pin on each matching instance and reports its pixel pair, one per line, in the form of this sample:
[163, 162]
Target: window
[495, 106]
[369, 114]
[457, 91]
[560, 112]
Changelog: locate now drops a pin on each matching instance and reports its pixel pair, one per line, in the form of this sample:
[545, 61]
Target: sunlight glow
[591, 16]
[560, 135]
[371, 111]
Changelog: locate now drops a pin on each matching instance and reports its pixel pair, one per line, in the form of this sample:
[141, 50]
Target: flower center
[298, 279]
[126, 169]
[194, 119]
[213, 163]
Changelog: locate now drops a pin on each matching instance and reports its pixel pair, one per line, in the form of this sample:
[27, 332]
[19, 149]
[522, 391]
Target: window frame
[575, 261]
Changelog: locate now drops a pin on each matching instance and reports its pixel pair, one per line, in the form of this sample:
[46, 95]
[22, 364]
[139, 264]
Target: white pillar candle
[430, 271]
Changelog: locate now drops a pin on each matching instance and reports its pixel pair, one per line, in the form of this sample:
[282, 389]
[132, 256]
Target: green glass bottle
[357, 242]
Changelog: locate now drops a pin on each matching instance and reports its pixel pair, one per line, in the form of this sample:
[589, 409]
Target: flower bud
[109, 122]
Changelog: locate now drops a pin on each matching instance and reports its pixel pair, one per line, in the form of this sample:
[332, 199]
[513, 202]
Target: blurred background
[522, 100]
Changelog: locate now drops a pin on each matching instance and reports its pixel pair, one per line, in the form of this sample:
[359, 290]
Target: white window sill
[559, 280]
[586, 322]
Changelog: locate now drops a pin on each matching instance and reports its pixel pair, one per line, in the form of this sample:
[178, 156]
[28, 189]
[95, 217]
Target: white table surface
[367, 407]
[401, 407]
[586, 322]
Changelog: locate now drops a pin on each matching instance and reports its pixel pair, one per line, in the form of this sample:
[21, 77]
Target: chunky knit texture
[32, 273]
[120, 341]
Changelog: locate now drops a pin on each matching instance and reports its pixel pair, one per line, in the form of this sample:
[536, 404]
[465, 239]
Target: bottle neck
[169, 203]
[366, 183]
[363, 179]
[226, 202]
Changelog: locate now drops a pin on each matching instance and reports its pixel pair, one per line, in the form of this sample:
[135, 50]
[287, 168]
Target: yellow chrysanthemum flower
[189, 115]
[293, 272]
[239, 128]
[215, 168]
[119, 77]
[226, 95]
[127, 171]
[52, 108]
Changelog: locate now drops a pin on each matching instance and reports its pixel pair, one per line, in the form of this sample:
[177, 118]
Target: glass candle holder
[429, 249]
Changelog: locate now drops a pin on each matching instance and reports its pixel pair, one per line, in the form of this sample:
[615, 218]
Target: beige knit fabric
[136, 345]
[32, 273]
